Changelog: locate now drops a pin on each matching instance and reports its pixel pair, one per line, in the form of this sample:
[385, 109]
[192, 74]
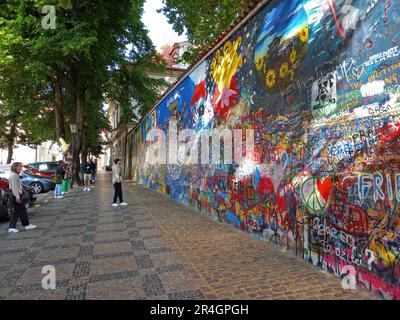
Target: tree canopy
[202, 20]
[50, 77]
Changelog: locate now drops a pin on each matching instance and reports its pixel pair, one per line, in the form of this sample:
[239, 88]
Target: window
[53, 166]
[43, 167]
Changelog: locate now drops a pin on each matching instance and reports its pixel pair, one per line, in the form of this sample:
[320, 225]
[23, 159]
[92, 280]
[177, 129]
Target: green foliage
[201, 20]
[86, 55]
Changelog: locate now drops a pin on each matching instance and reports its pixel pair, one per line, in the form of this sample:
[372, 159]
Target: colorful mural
[318, 83]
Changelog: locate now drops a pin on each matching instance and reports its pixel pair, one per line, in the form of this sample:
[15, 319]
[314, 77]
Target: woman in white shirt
[19, 207]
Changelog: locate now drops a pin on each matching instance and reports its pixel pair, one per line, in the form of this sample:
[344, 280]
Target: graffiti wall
[318, 83]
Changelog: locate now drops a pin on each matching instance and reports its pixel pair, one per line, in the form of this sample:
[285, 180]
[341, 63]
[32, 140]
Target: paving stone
[38, 286]
[112, 241]
[144, 261]
[114, 276]
[86, 251]
[131, 225]
[81, 269]
[186, 295]
[76, 292]
[113, 255]
[153, 286]
[89, 238]
[55, 263]
[138, 245]
[170, 268]
[159, 250]
[91, 228]
[133, 233]
[11, 278]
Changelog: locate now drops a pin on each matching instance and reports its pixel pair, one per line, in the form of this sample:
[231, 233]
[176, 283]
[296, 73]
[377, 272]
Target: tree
[202, 20]
[78, 64]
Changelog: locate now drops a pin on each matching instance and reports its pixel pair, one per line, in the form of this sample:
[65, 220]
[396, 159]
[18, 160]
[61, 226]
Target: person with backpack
[58, 179]
[19, 206]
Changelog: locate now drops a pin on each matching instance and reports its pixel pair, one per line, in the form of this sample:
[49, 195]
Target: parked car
[39, 183]
[45, 169]
[6, 203]
[5, 170]
[28, 197]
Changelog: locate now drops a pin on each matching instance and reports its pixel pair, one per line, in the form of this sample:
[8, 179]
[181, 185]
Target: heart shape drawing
[358, 71]
[324, 188]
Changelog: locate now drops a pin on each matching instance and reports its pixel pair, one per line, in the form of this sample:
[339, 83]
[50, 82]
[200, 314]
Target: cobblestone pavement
[155, 248]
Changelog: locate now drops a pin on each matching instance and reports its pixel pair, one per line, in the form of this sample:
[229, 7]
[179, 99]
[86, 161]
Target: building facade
[47, 151]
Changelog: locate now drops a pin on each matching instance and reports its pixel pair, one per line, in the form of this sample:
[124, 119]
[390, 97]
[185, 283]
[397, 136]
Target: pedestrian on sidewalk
[66, 179]
[19, 207]
[93, 165]
[87, 175]
[117, 182]
[58, 180]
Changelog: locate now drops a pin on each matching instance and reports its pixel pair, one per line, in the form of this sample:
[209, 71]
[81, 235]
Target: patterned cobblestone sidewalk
[153, 249]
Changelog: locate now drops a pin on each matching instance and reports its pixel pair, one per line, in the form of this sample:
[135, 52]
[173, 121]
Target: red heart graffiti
[324, 188]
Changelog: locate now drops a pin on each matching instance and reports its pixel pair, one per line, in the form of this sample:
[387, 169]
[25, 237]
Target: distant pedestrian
[66, 179]
[117, 182]
[93, 164]
[87, 175]
[58, 179]
[19, 207]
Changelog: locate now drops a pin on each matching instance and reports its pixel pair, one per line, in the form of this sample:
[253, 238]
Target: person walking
[117, 182]
[66, 179]
[93, 163]
[58, 180]
[19, 207]
[87, 175]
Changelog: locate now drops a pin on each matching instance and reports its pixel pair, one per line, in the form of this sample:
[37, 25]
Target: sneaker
[84, 189]
[123, 204]
[88, 190]
[115, 205]
[60, 197]
[12, 230]
[30, 227]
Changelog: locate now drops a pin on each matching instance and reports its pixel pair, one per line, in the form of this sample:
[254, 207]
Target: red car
[3, 183]
[44, 169]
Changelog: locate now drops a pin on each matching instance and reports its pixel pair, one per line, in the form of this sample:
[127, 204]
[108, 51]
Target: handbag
[57, 179]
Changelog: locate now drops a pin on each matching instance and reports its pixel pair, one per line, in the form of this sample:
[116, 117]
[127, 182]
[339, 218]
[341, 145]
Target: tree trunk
[79, 120]
[59, 112]
[84, 146]
[10, 142]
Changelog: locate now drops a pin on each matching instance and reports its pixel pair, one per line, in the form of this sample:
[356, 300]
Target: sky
[160, 31]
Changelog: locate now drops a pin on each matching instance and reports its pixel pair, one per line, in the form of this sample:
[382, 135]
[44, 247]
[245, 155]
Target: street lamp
[74, 130]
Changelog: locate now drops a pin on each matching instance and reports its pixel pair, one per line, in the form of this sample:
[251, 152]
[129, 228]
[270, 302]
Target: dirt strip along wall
[318, 83]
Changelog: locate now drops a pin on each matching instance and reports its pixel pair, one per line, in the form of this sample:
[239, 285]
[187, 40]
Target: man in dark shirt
[93, 165]
[87, 174]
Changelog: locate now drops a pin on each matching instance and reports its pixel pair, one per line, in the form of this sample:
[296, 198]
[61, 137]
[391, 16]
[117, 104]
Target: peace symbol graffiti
[315, 193]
